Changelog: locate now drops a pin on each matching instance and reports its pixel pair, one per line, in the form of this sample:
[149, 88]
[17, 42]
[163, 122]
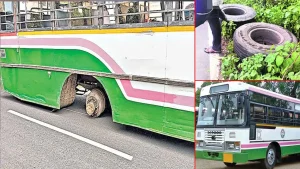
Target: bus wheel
[270, 161]
[230, 164]
[95, 103]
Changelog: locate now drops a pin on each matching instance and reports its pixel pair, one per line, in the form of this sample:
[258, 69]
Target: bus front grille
[214, 139]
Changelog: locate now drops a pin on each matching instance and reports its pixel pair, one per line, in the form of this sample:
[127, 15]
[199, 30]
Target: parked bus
[134, 59]
[238, 122]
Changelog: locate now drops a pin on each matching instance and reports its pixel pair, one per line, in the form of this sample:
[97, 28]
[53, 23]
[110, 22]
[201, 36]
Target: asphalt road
[27, 144]
[207, 65]
[287, 163]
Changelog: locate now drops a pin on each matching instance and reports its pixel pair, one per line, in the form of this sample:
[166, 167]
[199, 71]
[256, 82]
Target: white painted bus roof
[240, 86]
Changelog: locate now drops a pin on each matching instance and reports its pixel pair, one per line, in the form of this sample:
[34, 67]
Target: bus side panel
[62, 58]
[180, 65]
[132, 113]
[11, 56]
[37, 86]
[288, 150]
[255, 154]
[179, 122]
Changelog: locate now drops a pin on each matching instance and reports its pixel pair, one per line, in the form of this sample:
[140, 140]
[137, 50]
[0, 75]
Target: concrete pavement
[207, 65]
[25, 144]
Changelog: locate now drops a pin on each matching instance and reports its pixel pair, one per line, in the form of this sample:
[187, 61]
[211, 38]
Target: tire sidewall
[248, 15]
[266, 164]
[243, 42]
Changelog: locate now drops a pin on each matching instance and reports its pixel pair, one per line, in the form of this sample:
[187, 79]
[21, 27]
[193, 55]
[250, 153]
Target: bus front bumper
[227, 157]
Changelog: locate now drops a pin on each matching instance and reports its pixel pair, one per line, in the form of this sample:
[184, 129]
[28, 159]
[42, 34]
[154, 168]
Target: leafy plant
[228, 29]
[284, 63]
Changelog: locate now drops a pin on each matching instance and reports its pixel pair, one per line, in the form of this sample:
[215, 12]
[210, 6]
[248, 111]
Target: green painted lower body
[39, 87]
[43, 87]
[237, 157]
[246, 155]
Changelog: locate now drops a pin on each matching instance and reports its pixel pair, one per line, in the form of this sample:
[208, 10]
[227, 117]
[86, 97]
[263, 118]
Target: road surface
[287, 163]
[207, 65]
[34, 137]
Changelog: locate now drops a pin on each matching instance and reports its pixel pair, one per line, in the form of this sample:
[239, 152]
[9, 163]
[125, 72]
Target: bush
[283, 64]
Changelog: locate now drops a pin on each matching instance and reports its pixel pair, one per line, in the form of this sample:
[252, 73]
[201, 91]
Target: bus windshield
[223, 107]
[228, 111]
[207, 110]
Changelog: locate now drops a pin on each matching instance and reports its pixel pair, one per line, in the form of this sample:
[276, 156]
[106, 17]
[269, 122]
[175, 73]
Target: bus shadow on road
[285, 164]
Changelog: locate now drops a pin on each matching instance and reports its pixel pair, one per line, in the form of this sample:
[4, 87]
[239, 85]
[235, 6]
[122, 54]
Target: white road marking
[106, 148]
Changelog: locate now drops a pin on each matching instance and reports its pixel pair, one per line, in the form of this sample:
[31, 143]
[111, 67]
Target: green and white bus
[238, 122]
[133, 59]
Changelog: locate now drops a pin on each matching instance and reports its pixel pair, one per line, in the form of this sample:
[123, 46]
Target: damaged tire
[253, 38]
[238, 13]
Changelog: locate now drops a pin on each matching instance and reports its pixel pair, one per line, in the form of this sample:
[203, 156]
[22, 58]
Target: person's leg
[215, 25]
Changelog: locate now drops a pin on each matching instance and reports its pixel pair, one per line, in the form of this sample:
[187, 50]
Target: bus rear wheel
[95, 103]
[230, 164]
[270, 161]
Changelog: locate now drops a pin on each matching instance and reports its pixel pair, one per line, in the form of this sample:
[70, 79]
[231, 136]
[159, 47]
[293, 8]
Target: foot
[210, 50]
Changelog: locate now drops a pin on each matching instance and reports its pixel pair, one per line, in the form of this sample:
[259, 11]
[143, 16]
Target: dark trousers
[215, 25]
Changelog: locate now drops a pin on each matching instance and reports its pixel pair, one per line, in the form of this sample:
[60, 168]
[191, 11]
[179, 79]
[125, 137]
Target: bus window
[274, 115]
[287, 118]
[257, 113]
[297, 107]
[258, 98]
[297, 119]
[273, 101]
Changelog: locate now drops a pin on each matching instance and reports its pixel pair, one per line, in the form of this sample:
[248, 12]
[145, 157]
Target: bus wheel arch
[97, 100]
[273, 154]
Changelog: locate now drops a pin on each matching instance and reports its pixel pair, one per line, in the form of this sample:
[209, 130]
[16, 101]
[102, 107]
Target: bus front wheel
[270, 160]
[230, 164]
[95, 103]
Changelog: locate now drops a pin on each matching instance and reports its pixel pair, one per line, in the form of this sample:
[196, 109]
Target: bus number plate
[2, 53]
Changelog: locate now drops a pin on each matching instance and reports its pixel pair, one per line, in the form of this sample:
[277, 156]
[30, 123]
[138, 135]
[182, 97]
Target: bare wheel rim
[271, 157]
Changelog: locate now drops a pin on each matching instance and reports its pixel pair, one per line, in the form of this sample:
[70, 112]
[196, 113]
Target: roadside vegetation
[282, 62]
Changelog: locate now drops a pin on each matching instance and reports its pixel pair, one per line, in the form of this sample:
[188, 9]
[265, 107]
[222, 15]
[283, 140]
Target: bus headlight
[200, 143]
[233, 145]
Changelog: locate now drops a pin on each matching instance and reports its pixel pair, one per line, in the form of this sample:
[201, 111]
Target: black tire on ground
[238, 13]
[230, 164]
[95, 103]
[270, 160]
[253, 38]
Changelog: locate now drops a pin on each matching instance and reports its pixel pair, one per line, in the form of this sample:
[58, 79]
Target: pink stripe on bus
[130, 91]
[269, 93]
[265, 145]
[8, 34]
